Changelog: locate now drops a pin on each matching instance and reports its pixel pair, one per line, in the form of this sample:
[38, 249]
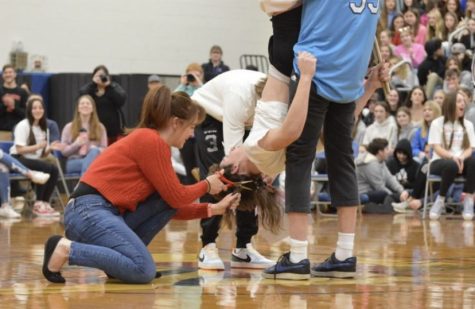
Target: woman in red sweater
[130, 192]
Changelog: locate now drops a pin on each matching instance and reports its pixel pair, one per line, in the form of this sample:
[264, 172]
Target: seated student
[453, 138]
[405, 127]
[402, 165]
[419, 140]
[129, 194]
[7, 164]
[31, 148]
[84, 138]
[374, 177]
[382, 127]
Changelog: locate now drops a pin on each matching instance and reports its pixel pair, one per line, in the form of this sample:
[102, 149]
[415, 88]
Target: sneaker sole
[250, 265]
[209, 267]
[286, 276]
[334, 274]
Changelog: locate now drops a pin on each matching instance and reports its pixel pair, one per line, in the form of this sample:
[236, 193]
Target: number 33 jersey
[340, 33]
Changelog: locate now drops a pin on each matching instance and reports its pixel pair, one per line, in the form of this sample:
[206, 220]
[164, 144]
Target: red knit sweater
[138, 165]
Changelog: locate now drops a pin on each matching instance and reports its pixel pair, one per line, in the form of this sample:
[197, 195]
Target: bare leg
[60, 255]
[298, 225]
[347, 219]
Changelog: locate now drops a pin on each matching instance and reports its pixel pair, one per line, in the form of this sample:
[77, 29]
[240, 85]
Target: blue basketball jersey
[340, 33]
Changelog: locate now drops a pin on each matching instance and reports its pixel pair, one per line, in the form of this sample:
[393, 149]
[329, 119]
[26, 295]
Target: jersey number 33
[358, 7]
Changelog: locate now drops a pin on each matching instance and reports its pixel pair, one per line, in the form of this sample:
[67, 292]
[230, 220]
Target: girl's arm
[441, 152]
[292, 127]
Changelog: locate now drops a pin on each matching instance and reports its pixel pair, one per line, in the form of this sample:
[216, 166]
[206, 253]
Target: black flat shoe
[50, 245]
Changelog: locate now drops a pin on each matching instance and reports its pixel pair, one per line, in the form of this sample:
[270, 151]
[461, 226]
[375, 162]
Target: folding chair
[259, 61]
[64, 177]
[429, 189]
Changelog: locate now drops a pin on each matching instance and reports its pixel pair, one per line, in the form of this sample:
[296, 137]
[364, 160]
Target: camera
[190, 78]
[103, 78]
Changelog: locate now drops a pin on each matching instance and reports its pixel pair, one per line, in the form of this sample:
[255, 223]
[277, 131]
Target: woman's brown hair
[95, 129]
[449, 111]
[160, 105]
[29, 115]
[259, 194]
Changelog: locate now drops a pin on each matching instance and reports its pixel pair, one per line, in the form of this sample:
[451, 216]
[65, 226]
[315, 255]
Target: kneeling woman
[129, 194]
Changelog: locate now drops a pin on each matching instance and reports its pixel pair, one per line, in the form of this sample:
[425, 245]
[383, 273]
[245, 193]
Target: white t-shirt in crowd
[21, 133]
[268, 115]
[231, 98]
[435, 135]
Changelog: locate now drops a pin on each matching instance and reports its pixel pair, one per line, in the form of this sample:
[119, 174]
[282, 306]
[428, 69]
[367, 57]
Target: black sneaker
[285, 269]
[334, 268]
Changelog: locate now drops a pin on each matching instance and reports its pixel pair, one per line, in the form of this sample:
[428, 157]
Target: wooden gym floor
[403, 262]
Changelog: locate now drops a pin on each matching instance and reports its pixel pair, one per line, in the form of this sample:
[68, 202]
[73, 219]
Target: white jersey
[231, 98]
[268, 115]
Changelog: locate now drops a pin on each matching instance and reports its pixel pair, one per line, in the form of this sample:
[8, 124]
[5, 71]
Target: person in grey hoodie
[374, 177]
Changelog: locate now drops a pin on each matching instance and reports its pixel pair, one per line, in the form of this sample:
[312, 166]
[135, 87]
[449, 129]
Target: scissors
[237, 184]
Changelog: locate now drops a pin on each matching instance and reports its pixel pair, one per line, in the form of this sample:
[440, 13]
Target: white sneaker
[249, 258]
[436, 209]
[467, 209]
[39, 177]
[6, 211]
[400, 207]
[43, 209]
[209, 258]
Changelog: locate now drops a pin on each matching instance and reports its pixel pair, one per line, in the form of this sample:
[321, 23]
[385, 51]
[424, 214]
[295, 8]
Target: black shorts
[286, 28]
[337, 120]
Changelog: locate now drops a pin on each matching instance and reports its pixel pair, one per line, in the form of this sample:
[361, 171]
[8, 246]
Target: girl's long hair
[29, 115]
[449, 111]
[266, 198]
[95, 129]
[434, 106]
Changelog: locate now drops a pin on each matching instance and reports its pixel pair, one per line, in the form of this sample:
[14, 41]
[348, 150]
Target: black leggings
[43, 192]
[448, 170]
[286, 28]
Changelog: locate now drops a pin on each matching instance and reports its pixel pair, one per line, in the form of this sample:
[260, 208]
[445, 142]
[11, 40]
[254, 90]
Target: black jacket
[430, 64]
[211, 71]
[108, 106]
[405, 173]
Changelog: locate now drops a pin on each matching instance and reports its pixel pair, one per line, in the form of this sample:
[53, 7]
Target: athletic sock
[298, 250]
[344, 246]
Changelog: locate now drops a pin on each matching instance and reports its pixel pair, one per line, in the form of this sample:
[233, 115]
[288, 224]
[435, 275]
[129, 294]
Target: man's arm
[376, 75]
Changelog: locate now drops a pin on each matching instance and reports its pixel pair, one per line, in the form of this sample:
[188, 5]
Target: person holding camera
[109, 97]
[189, 83]
[192, 80]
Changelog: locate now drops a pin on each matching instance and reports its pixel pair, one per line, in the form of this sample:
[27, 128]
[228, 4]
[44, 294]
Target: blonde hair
[259, 87]
[95, 129]
[435, 108]
[194, 67]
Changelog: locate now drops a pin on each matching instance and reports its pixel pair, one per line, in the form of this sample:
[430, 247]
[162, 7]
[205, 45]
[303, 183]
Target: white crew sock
[298, 250]
[344, 246]
[441, 198]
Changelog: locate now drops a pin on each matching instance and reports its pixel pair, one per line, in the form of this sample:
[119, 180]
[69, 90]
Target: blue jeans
[80, 165]
[113, 242]
[13, 164]
[4, 187]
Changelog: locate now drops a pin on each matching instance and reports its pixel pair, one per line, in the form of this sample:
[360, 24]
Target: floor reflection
[402, 260]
